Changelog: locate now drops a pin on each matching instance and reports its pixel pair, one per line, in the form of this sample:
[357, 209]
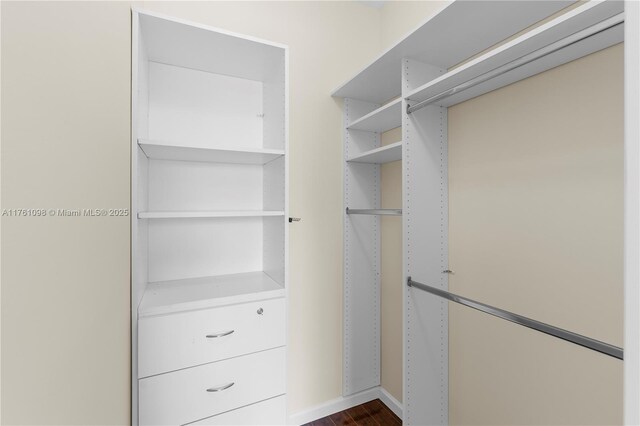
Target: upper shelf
[382, 155]
[386, 117]
[584, 30]
[458, 31]
[159, 150]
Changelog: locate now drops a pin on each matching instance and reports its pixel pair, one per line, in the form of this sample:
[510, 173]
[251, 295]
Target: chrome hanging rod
[524, 60]
[378, 212]
[560, 333]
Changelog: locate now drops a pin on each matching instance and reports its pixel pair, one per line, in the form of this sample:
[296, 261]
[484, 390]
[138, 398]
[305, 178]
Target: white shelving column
[425, 255]
[361, 256]
[364, 122]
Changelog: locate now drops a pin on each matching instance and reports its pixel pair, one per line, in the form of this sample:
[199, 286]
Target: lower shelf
[207, 292]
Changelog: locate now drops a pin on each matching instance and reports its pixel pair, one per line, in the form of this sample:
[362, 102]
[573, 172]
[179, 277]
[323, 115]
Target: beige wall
[535, 227]
[65, 144]
[391, 273]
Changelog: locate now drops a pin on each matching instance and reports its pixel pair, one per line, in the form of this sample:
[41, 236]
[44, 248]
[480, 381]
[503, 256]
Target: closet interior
[465, 50]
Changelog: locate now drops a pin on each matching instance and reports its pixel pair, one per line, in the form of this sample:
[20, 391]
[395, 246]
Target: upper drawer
[196, 393]
[175, 341]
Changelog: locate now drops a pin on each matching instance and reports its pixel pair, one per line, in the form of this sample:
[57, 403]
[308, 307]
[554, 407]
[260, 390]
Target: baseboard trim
[344, 403]
[388, 400]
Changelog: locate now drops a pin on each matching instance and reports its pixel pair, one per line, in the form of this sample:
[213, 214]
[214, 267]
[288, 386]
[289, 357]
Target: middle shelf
[204, 214]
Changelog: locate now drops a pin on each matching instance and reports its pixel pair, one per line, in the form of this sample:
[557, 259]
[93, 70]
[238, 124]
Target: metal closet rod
[524, 60]
[560, 333]
[378, 212]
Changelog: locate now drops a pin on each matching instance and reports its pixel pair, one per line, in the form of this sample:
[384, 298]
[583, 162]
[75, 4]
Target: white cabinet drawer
[196, 393]
[175, 341]
[270, 412]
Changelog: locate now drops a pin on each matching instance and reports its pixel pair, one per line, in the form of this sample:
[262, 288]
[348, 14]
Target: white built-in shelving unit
[465, 50]
[209, 230]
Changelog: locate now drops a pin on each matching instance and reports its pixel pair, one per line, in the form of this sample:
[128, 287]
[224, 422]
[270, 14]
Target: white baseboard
[388, 400]
[344, 403]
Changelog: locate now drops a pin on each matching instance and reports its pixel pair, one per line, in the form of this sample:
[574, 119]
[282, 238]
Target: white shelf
[458, 31]
[159, 150]
[385, 118]
[382, 155]
[199, 293]
[564, 26]
[212, 214]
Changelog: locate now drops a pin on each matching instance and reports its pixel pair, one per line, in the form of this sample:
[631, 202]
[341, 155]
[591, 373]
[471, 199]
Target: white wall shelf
[382, 155]
[211, 214]
[456, 32]
[206, 292]
[159, 150]
[385, 118]
[515, 51]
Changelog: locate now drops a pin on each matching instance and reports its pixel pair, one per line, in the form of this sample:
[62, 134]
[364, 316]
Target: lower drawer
[195, 393]
[270, 412]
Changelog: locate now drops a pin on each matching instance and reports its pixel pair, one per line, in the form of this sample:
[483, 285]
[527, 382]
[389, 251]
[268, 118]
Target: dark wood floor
[373, 413]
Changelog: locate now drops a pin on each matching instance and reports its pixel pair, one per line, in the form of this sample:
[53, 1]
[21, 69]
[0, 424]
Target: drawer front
[270, 412]
[196, 393]
[172, 342]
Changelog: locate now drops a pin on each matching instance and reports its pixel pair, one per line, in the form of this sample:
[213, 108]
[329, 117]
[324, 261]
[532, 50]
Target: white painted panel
[632, 215]
[172, 342]
[190, 248]
[275, 101]
[425, 229]
[270, 412]
[274, 248]
[183, 185]
[273, 185]
[361, 257]
[181, 396]
[196, 107]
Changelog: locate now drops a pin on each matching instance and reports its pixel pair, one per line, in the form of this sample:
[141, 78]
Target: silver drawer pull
[213, 336]
[221, 388]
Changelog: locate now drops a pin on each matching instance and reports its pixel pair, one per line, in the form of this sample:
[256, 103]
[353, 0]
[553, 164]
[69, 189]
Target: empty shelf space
[199, 293]
[584, 30]
[376, 212]
[212, 214]
[158, 150]
[385, 118]
[384, 154]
